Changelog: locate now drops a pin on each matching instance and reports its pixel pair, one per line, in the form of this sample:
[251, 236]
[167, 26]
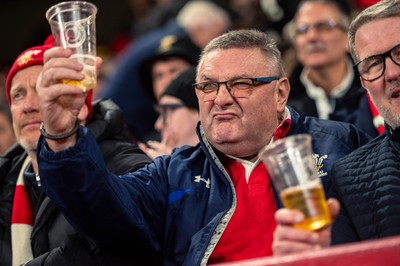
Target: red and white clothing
[249, 233]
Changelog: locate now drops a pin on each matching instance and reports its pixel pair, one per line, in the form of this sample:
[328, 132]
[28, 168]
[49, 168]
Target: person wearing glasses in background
[178, 110]
[366, 182]
[323, 81]
[206, 204]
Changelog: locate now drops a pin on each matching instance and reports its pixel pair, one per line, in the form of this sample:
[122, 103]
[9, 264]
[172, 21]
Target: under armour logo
[198, 178]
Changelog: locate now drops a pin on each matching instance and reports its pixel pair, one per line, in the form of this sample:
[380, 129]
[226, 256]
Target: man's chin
[29, 144]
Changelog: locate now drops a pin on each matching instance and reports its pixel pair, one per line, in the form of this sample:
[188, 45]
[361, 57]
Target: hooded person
[181, 88]
[178, 110]
[174, 55]
[32, 229]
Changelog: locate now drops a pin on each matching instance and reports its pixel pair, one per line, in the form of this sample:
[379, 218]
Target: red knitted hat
[34, 56]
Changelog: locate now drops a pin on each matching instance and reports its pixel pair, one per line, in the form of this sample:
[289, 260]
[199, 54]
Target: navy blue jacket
[367, 184]
[177, 206]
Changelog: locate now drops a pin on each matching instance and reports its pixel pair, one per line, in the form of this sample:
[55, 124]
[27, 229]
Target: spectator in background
[7, 136]
[324, 84]
[366, 182]
[200, 20]
[30, 225]
[173, 56]
[179, 114]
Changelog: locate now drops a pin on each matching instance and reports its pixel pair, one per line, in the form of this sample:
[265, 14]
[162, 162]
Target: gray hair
[381, 10]
[247, 39]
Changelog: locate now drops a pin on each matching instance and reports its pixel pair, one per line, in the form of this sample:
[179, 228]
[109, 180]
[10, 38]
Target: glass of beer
[291, 167]
[73, 26]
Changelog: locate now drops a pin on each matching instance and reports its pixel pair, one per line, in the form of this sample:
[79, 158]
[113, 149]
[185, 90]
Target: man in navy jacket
[201, 205]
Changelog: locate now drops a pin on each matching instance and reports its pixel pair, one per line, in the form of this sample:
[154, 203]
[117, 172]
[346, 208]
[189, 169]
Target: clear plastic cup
[292, 170]
[73, 25]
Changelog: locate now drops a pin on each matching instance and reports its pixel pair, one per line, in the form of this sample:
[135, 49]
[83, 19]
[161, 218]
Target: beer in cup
[73, 26]
[291, 167]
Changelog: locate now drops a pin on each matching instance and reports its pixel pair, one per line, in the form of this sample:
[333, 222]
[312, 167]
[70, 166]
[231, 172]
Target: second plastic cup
[290, 165]
[73, 25]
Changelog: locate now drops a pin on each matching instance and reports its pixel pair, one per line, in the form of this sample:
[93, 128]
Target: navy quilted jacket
[367, 183]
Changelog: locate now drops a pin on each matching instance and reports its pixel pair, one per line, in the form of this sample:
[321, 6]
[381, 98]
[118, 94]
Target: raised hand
[60, 103]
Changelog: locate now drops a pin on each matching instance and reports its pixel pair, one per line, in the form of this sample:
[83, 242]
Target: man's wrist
[62, 136]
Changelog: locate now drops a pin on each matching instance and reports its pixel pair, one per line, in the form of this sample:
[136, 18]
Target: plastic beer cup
[291, 167]
[73, 26]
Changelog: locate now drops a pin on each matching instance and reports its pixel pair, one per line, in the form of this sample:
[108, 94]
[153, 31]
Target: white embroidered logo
[318, 162]
[198, 178]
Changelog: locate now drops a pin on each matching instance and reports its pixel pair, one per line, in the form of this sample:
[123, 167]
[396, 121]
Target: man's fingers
[99, 62]
[56, 52]
[334, 207]
[288, 217]
[52, 76]
[288, 240]
[292, 233]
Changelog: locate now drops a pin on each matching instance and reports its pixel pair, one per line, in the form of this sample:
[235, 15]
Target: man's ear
[83, 114]
[363, 83]
[282, 93]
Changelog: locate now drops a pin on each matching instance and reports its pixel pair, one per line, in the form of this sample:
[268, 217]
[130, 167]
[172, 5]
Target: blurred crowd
[148, 102]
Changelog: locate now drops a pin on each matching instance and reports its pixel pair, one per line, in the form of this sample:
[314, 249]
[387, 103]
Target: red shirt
[249, 233]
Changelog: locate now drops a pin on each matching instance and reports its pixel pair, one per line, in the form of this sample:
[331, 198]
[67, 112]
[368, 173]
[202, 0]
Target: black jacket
[367, 184]
[51, 229]
[10, 165]
[353, 107]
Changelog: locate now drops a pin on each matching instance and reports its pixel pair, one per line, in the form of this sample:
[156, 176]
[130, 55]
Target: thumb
[334, 207]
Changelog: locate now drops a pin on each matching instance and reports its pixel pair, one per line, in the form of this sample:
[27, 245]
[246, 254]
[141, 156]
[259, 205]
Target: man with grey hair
[324, 83]
[366, 182]
[206, 204]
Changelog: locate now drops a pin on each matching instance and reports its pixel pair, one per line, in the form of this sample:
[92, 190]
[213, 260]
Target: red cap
[34, 56]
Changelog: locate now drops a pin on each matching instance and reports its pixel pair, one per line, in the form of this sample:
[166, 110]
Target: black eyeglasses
[322, 26]
[373, 67]
[238, 88]
[164, 109]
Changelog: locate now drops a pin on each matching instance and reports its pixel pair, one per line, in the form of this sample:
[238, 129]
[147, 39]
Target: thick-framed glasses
[238, 88]
[165, 109]
[320, 27]
[373, 67]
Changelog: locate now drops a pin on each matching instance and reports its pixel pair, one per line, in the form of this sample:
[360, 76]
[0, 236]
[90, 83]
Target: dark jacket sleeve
[104, 206]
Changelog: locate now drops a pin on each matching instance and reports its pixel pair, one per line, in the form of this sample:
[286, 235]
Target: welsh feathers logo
[27, 56]
[319, 163]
